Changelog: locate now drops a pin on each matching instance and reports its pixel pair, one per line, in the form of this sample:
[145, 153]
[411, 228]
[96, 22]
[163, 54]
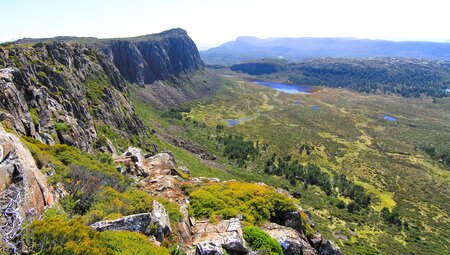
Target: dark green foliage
[236, 148]
[176, 113]
[340, 205]
[258, 68]
[408, 79]
[405, 77]
[61, 127]
[95, 88]
[34, 116]
[306, 148]
[259, 240]
[310, 174]
[440, 155]
[313, 175]
[361, 198]
[391, 217]
[220, 128]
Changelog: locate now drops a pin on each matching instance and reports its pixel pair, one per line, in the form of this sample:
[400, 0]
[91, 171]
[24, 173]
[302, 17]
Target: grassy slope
[351, 137]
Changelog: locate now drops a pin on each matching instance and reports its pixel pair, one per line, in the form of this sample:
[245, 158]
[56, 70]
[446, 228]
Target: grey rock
[156, 223]
[146, 61]
[185, 170]
[227, 233]
[135, 154]
[324, 246]
[208, 248]
[292, 241]
[24, 191]
[34, 84]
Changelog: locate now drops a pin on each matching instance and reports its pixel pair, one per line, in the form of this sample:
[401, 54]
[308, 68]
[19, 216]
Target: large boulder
[227, 233]
[133, 160]
[291, 241]
[324, 246]
[24, 191]
[208, 248]
[161, 164]
[156, 223]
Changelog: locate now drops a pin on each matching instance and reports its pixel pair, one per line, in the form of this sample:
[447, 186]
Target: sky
[211, 23]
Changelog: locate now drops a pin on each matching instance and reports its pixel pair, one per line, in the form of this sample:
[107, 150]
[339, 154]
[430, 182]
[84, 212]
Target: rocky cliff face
[24, 192]
[59, 92]
[154, 57]
[63, 91]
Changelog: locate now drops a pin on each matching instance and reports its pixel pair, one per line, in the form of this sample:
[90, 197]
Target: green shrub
[257, 203]
[34, 116]
[95, 88]
[42, 74]
[55, 235]
[82, 174]
[259, 240]
[110, 203]
[130, 243]
[61, 127]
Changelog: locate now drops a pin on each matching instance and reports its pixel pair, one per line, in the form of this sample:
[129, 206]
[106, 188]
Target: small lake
[232, 123]
[286, 88]
[390, 118]
[315, 107]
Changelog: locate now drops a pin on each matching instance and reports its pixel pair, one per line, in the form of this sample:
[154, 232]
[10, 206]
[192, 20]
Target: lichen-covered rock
[227, 233]
[155, 223]
[324, 246]
[290, 240]
[162, 163]
[24, 192]
[208, 248]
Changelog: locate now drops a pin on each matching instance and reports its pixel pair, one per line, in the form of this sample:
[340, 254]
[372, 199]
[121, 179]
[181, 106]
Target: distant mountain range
[296, 49]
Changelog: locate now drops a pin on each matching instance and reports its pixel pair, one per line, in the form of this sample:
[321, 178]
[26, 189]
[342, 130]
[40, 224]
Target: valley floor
[349, 135]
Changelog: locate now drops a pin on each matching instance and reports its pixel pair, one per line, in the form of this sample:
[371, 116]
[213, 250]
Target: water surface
[390, 118]
[286, 88]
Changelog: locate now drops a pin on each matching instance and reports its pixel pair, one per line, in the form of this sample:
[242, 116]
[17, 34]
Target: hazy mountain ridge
[296, 49]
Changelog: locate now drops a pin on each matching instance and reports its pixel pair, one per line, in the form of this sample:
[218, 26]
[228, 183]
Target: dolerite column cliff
[145, 59]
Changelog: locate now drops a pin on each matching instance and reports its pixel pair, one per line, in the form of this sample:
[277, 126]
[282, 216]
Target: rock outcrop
[324, 246]
[59, 92]
[290, 240]
[24, 192]
[146, 59]
[227, 233]
[155, 223]
[209, 248]
[203, 237]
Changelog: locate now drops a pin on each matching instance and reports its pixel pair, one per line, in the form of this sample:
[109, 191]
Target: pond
[315, 107]
[286, 88]
[390, 118]
[235, 122]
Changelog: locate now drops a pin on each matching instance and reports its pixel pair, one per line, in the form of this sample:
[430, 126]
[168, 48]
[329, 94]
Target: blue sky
[212, 22]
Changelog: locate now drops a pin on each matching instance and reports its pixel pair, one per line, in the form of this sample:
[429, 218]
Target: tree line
[311, 174]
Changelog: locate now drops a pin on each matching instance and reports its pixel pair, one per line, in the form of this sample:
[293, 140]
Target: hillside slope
[405, 77]
[73, 184]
